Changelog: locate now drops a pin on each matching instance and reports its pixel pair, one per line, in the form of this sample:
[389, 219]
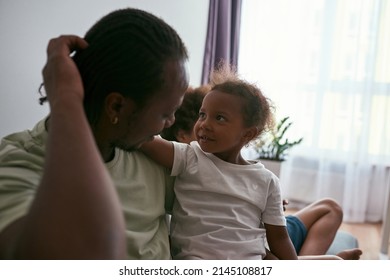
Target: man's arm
[76, 212]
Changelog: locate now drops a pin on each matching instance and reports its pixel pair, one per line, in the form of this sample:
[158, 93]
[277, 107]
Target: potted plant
[273, 147]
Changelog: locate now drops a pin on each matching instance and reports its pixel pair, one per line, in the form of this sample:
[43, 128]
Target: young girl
[311, 229]
[225, 205]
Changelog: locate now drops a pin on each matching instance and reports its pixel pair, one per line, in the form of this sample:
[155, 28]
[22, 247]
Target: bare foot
[351, 254]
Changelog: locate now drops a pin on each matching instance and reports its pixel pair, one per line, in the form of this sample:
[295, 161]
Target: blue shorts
[297, 231]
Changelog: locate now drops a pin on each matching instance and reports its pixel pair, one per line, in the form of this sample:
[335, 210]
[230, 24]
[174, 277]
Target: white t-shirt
[220, 207]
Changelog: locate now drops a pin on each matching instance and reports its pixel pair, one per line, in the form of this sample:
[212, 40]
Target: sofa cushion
[342, 241]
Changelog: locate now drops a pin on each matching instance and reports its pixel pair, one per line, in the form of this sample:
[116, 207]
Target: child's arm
[279, 242]
[160, 150]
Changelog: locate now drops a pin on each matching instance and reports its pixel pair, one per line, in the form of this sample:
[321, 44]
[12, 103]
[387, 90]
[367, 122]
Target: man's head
[127, 54]
[134, 76]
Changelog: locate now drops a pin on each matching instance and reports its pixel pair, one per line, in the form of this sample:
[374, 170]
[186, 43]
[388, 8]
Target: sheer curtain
[326, 65]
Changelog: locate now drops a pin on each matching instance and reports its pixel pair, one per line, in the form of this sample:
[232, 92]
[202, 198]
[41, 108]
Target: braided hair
[127, 51]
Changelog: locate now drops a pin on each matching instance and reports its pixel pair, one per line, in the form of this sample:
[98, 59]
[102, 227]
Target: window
[326, 65]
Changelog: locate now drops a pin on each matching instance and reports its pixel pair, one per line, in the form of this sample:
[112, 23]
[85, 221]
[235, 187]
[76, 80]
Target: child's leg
[322, 220]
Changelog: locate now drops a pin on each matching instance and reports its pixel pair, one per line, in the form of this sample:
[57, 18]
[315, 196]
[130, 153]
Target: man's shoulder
[135, 164]
[27, 147]
[137, 158]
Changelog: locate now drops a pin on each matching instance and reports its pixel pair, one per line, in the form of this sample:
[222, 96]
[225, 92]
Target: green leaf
[274, 145]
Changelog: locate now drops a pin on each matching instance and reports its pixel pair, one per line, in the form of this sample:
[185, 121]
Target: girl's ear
[250, 134]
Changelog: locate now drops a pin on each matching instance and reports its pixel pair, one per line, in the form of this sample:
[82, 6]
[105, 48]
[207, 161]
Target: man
[68, 187]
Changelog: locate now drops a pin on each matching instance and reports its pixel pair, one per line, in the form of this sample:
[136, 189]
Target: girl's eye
[202, 115]
[220, 118]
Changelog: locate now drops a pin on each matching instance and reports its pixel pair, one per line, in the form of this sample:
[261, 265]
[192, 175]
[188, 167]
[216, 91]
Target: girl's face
[220, 129]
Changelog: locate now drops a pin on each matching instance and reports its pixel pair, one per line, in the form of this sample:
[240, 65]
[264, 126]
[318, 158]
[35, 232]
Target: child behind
[225, 205]
[188, 112]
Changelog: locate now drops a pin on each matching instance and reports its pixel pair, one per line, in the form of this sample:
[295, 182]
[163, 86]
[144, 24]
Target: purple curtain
[222, 35]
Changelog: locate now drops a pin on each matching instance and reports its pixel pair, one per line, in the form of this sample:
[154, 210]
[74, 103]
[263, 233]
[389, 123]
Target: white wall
[26, 26]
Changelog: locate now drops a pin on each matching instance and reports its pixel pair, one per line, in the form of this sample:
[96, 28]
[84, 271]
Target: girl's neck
[232, 158]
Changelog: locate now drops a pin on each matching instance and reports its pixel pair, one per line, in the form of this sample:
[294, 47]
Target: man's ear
[114, 105]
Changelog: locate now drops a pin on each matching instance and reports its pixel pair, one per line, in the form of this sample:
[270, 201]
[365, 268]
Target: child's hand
[285, 203]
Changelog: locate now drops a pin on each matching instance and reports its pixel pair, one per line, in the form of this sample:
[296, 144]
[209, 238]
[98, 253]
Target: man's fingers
[65, 44]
